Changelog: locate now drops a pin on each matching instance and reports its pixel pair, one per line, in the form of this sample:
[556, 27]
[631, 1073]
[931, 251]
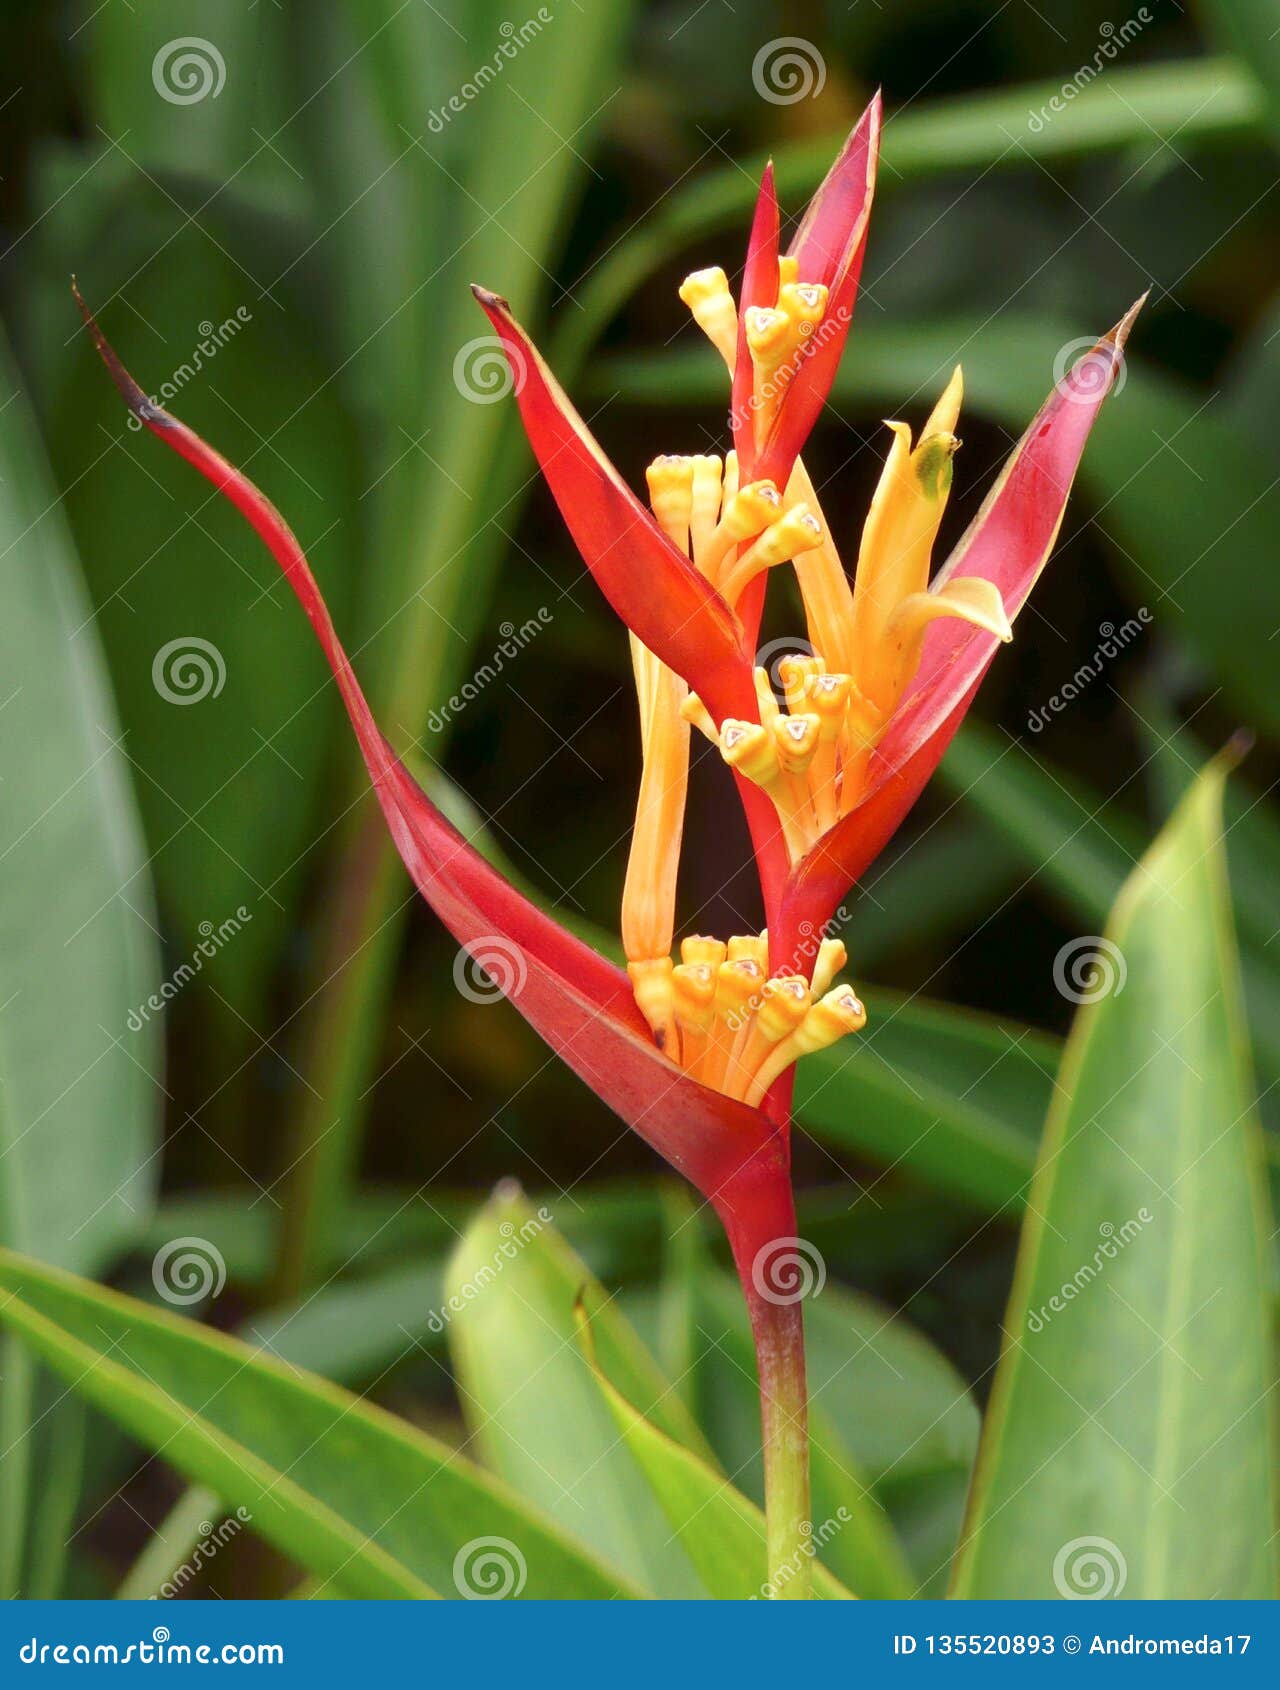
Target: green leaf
[355, 1496]
[953, 1097]
[79, 1091]
[536, 1415]
[908, 897]
[1082, 847]
[1249, 28]
[1128, 1432]
[181, 85]
[722, 1531]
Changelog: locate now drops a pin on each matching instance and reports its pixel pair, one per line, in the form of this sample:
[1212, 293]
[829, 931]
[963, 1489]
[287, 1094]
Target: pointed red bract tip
[130, 392]
[649, 582]
[1008, 544]
[489, 300]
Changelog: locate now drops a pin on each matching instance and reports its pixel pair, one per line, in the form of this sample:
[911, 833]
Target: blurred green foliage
[331, 1110]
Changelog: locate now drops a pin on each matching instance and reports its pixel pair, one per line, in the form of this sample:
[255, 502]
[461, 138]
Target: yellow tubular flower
[897, 540]
[706, 293]
[795, 531]
[649, 891]
[704, 512]
[839, 1012]
[824, 586]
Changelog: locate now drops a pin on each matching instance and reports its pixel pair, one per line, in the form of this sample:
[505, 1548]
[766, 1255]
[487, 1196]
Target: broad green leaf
[364, 1501]
[614, 1225]
[1070, 838]
[528, 1396]
[1082, 847]
[953, 1097]
[723, 1532]
[79, 1088]
[1128, 1434]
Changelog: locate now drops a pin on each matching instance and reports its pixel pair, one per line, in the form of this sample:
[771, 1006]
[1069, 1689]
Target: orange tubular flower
[695, 1052]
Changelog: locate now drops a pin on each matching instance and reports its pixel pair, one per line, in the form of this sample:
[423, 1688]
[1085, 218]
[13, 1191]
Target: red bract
[828, 249]
[1008, 543]
[579, 1002]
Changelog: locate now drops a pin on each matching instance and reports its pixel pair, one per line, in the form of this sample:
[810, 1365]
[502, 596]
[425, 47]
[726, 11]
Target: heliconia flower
[895, 658]
[704, 1117]
[582, 1004]
[696, 1054]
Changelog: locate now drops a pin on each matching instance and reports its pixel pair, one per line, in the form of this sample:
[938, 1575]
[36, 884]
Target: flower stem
[758, 1211]
[779, 1337]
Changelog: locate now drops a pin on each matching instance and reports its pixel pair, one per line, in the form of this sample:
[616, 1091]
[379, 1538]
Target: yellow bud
[832, 957]
[784, 1003]
[651, 986]
[752, 947]
[670, 480]
[693, 992]
[798, 675]
[706, 293]
[697, 948]
[748, 748]
[796, 739]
